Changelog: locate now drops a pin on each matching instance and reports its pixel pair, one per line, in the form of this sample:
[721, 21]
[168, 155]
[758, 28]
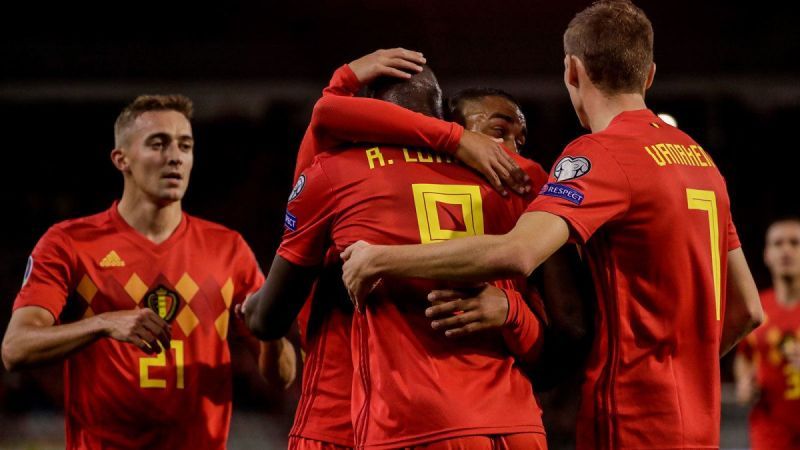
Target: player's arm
[744, 374]
[535, 237]
[32, 338]
[277, 362]
[272, 310]
[743, 311]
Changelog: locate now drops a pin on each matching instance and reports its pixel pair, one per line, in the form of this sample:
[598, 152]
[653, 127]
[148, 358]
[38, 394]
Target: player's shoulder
[79, 227]
[211, 229]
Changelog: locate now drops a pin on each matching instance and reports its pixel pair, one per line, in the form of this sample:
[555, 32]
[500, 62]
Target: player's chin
[171, 195]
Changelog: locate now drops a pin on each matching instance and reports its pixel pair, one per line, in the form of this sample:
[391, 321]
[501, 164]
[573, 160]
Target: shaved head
[420, 93]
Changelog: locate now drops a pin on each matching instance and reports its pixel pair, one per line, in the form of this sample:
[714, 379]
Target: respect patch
[290, 221]
[559, 190]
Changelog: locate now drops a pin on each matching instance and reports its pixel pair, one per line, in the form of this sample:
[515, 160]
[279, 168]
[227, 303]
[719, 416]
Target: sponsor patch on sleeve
[28, 269]
[559, 190]
[290, 221]
[298, 187]
[569, 168]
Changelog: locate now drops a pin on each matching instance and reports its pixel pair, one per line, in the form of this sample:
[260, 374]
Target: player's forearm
[478, 258]
[348, 119]
[277, 363]
[343, 82]
[743, 312]
[30, 345]
[279, 300]
[522, 331]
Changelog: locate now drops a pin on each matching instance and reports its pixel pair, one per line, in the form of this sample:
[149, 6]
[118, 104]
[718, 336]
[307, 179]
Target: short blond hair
[614, 40]
[145, 103]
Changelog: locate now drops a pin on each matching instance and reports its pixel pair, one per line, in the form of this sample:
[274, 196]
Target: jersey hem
[450, 434]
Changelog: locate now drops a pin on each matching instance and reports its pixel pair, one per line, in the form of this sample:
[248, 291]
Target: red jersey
[653, 212]
[775, 418]
[116, 395]
[323, 412]
[412, 385]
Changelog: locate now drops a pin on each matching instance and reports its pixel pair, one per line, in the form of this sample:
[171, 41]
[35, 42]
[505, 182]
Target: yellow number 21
[160, 360]
[707, 201]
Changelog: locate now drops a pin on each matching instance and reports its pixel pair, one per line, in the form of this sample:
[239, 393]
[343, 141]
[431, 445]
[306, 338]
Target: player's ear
[119, 159]
[571, 67]
[651, 74]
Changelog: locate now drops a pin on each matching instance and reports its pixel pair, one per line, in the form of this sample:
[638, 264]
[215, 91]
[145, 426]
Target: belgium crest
[163, 301]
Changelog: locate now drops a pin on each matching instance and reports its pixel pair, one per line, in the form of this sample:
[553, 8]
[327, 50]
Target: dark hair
[614, 40]
[420, 93]
[145, 103]
[456, 102]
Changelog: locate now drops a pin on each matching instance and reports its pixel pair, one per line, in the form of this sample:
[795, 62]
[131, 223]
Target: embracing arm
[535, 237]
[270, 312]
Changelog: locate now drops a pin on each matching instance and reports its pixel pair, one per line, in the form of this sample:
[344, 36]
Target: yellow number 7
[707, 201]
[160, 360]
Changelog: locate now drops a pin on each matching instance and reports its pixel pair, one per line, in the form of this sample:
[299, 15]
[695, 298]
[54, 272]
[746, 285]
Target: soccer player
[767, 364]
[136, 300]
[674, 290]
[492, 112]
[406, 398]
[323, 413]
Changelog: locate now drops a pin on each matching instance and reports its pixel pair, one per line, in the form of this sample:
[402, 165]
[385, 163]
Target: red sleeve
[250, 276]
[355, 119]
[522, 332]
[48, 277]
[343, 83]
[587, 188]
[309, 215]
[733, 236]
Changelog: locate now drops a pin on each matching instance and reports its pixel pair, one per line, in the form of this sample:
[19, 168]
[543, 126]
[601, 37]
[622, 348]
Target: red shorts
[517, 441]
[300, 443]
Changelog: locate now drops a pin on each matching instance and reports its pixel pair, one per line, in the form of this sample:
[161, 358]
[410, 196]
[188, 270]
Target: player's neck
[787, 291]
[155, 222]
[601, 109]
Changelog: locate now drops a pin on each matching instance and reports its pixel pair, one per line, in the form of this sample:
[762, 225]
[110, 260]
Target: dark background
[728, 72]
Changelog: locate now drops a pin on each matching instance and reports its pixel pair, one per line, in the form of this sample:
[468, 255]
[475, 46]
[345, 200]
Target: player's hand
[395, 62]
[141, 327]
[747, 390]
[241, 308]
[460, 312]
[357, 273]
[487, 156]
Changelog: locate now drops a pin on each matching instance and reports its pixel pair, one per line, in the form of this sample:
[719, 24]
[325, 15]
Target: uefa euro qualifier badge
[163, 301]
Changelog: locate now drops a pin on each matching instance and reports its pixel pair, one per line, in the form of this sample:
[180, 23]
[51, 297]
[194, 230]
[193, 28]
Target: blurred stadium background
[728, 72]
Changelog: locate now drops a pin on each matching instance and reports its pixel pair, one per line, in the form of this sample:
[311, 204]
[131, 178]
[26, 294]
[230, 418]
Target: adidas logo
[112, 259]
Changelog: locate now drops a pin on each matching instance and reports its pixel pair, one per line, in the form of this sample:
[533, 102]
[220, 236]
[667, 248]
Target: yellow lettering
[665, 153]
[690, 159]
[424, 157]
[373, 154]
[658, 159]
[792, 382]
[408, 157]
[678, 155]
[438, 158]
[707, 156]
[698, 156]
